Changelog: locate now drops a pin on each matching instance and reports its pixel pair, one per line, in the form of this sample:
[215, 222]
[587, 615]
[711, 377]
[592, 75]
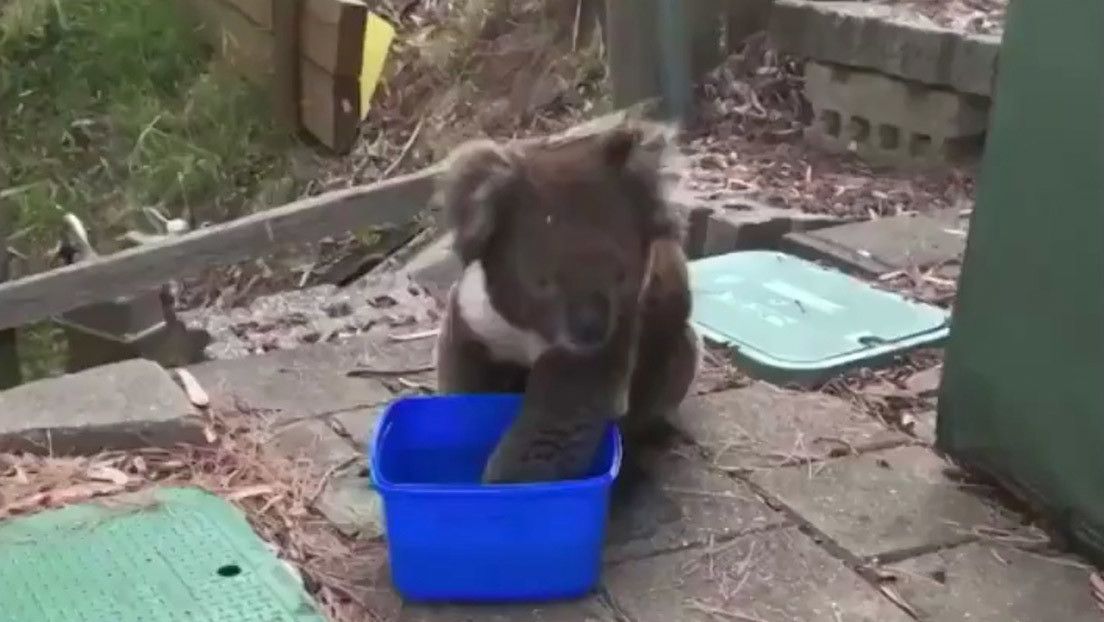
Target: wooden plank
[390, 202]
[285, 84]
[331, 34]
[10, 374]
[329, 106]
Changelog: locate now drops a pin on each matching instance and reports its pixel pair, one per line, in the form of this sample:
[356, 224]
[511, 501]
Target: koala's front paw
[503, 469]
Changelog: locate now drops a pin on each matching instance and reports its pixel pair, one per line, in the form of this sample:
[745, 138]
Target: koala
[574, 291]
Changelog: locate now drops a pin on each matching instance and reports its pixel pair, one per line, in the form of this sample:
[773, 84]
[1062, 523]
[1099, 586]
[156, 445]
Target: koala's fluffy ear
[647, 154]
[476, 171]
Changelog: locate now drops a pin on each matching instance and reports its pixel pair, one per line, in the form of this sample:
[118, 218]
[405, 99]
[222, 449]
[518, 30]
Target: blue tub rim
[384, 486]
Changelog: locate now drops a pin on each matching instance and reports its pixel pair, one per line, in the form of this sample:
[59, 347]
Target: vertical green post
[1022, 397]
[675, 47]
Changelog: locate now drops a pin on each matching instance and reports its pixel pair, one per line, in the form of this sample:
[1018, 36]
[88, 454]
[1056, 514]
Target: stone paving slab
[875, 247]
[775, 576]
[988, 583]
[761, 426]
[885, 504]
[352, 505]
[124, 405]
[312, 380]
[680, 502]
[359, 424]
[587, 610]
[313, 442]
[894, 40]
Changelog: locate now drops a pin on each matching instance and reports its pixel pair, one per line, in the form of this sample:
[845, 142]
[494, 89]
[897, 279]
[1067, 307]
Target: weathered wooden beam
[331, 34]
[309, 52]
[329, 106]
[285, 86]
[390, 202]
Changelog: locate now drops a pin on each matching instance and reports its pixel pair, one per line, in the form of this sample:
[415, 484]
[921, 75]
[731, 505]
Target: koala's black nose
[588, 321]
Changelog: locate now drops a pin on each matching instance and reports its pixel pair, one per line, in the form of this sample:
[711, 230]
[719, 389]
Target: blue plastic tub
[452, 538]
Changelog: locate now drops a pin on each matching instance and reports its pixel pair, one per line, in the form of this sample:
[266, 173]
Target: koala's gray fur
[574, 291]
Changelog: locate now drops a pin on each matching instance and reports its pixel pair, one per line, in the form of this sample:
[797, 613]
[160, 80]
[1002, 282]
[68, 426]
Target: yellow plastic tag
[378, 35]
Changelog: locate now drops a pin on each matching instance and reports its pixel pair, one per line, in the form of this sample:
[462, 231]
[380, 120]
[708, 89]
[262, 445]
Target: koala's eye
[546, 284]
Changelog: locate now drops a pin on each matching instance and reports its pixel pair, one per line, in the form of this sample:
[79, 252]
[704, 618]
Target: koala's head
[562, 230]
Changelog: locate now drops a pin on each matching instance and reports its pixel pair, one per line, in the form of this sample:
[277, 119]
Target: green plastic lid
[180, 555]
[791, 321]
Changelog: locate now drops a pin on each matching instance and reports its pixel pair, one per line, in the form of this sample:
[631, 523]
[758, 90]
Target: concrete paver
[760, 426]
[885, 503]
[680, 502]
[352, 505]
[876, 247]
[124, 405]
[775, 576]
[989, 583]
[312, 380]
[893, 39]
[315, 443]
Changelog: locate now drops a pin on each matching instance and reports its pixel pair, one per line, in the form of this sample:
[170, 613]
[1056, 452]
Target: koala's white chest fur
[506, 342]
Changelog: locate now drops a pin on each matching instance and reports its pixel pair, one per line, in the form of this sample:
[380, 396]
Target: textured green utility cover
[178, 555]
[791, 321]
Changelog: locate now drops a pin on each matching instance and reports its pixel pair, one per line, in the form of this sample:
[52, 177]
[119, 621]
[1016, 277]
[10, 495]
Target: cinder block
[885, 119]
[892, 39]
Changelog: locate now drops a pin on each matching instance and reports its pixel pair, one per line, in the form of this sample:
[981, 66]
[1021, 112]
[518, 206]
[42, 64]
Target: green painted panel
[1022, 397]
[186, 557]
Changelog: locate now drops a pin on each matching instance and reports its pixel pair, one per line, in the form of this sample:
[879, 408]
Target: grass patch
[111, 105]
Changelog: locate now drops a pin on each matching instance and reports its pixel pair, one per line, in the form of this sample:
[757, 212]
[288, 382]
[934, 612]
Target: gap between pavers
[761, 426]
[124, 405]
[359, 425]
[984, 582]
[885, 504]
[778, 575]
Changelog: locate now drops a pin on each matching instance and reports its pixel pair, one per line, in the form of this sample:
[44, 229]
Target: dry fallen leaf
[193, 389]
[104, 473]
[251, 491]
[899, 600]
[62, 496]
[1096, 581]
